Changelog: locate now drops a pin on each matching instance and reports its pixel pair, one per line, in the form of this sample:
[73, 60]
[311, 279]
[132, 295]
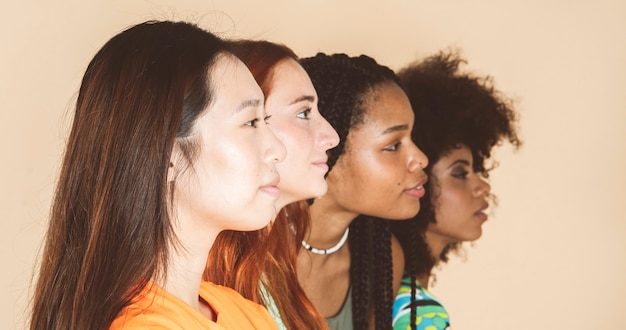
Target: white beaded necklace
[330, 250]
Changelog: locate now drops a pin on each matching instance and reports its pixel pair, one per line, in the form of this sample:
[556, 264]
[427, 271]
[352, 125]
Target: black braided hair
[452, 108]
[381, 263]
[343, 85]
[359, 272]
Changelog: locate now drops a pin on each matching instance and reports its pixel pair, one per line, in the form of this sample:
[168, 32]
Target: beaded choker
[330, 250]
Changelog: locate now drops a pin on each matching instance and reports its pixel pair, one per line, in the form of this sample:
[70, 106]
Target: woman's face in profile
[298, 124]
[232, 182]
[460, 198]
[380, 172]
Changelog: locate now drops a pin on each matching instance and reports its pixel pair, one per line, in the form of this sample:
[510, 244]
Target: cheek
[373, 176]
[296, 159]
[451, 203]
[232, 162]
[282, 130]
[214, 171]
[297, 141]
[222, 157]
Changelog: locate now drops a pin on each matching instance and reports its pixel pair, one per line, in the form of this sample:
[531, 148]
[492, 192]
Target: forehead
[460, 151]
[232, 82]
[449, 157]
[288, 77]
[386, 106]
[227, 71]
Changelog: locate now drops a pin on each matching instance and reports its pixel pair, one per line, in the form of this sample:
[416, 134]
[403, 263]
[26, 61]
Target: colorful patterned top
[430, 314]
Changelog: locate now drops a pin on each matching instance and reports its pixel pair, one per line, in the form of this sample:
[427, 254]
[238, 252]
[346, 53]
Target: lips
[322, 163]
[271, 188]
[480, 214]
[418, 189]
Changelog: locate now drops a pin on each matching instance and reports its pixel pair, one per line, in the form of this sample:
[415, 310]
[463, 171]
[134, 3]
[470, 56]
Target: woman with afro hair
[351, 266]
[459, 119]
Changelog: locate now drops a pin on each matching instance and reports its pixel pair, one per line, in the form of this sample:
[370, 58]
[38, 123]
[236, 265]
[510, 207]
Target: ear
[172, 169]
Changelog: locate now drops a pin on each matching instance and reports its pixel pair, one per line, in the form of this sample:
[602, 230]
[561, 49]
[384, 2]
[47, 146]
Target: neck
[424, 280]
[184, 275]
[436, 244]
[187, 262]
[328, 224]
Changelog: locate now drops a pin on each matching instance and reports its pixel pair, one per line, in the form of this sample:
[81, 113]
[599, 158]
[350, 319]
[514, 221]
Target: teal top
[430, 314]
[270, 304]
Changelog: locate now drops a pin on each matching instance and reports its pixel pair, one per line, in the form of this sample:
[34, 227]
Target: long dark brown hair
[343, 85]
[452, 108]
[246, 260]
[110, 231]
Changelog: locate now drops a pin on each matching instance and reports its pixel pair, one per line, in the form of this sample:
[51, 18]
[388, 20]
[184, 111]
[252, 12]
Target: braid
[418, 258]
[382, 273]
[359, 262]
[343, 85]
[413, 305]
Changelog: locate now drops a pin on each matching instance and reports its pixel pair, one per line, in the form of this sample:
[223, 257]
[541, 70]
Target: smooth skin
[235, 169]
[298, 124]
[379, 174]
[461, 202]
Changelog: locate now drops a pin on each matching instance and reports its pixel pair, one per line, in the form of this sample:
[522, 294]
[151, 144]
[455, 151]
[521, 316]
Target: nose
[275, 150]
[327, 137]
[482, 188]
[418, 159]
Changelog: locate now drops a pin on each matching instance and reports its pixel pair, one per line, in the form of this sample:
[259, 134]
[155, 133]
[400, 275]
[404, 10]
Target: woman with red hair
[263, 268]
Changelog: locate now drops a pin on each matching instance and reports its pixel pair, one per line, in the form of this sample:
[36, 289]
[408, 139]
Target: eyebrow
[395, 129]
[247, 104]
[309, 98]
[459, 161]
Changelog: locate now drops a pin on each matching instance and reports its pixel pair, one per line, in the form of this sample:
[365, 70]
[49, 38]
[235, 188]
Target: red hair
[245, 261]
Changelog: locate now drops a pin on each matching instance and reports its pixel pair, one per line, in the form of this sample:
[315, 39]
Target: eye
[393, 147]
[460, 174]
[267, 118]
[253, 122]
[304, 114]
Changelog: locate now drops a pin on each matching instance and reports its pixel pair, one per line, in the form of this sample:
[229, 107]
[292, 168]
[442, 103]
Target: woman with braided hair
[459, 118]
[375, 172]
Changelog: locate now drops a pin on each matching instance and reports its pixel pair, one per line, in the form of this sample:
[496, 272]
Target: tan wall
[552, 256]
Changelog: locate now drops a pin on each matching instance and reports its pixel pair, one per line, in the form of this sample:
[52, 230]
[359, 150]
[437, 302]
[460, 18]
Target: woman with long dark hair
[168, 148]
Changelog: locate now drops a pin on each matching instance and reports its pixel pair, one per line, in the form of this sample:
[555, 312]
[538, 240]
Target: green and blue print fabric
[430, 314]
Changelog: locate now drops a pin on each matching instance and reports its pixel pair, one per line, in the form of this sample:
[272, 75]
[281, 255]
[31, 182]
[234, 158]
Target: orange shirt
[159, 309]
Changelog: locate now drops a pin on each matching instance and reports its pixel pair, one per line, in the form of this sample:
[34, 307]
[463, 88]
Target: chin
[318, 193]
[315, 189]
[474, 236]
[316, 186]
[286, 199]
[282, 203]
[400, 216]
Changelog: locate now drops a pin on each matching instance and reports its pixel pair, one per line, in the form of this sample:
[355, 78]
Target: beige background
[552, 256]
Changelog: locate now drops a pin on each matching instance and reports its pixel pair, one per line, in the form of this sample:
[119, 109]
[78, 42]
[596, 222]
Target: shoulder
[155, 308]
[235, 311]
[222, 295]
[429, 313]
[154, 321]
